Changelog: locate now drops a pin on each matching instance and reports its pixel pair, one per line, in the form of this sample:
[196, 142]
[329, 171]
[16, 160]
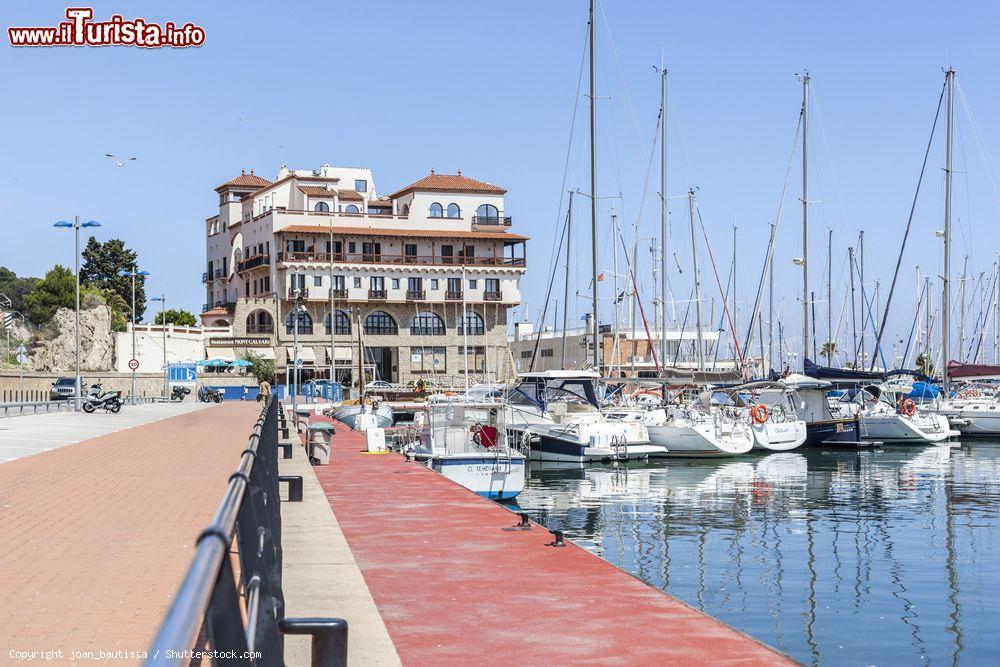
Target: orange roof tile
[402, 233]
[218, 310]
[316, 191]
[449, 183]
[245, 180]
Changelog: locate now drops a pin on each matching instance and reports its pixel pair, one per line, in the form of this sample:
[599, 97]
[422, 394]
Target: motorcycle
[210, 395]
[178, 393]
[110, 401]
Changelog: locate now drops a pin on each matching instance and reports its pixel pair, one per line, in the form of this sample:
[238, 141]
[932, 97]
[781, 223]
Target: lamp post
[76, 225]
[132, 274]
[295, 346]
[163, 325]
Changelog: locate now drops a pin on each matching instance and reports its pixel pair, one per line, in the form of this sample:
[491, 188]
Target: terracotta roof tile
[245, 180]
[218, 310]
[316, 191]
[402, 233]
[449, 183]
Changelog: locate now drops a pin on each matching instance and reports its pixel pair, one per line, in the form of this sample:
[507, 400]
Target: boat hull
[493, 477]
[779, 437]
[834, 433]
[348, 415]
[901, 430]
[680, 441]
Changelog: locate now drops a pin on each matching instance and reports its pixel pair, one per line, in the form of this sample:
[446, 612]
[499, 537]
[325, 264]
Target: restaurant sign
[243, 341]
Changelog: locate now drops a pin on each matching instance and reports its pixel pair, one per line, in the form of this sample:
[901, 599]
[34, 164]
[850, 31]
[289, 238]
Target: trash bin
[302, 419]
[318, 436]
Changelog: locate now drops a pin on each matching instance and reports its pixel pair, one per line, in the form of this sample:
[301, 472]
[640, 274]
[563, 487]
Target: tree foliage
[179, 317]
[16, 289]
[925, 365]
[101, 264]
[56, 290]
[262, 369]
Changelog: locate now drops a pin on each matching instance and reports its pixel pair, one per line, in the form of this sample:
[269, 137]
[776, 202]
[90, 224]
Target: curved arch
[351, 208]
[436, 211]
[488, 211]
[380, 323]
[454, 211]
[427, 324]
[343, 323]
[474, 323]
[220, 323]
[322, 207]
[305, 323]
[260, 322]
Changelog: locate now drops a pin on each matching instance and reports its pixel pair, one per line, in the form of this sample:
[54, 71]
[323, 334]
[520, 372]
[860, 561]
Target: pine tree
[101, 264]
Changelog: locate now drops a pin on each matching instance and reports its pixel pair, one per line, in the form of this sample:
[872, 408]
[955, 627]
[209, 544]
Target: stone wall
[55, 350]
[35, 385]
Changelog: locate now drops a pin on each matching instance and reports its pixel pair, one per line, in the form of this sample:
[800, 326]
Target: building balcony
[260, 328]
[204, 277]
[492, 296]
[339, 294]
[377, 295]
[253, 262]
[453, 296]
[416, 295]
[403, 260]
[491, 221]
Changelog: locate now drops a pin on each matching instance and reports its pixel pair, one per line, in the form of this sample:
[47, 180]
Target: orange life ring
[908, 408]
[759, 413]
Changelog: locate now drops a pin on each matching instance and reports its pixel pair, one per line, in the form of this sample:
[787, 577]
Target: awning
[343, 354]
[306, 354]
[263, 352]
[224, 353]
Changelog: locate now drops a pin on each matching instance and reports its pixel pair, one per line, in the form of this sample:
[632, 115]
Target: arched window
[426, 324]
[436, 210]
[454, 211]
[488, 212]
[380, 323]
[351, 208]
[305, 322]
[322, 207]
[260, 322]
[343, 323]
[474, 324]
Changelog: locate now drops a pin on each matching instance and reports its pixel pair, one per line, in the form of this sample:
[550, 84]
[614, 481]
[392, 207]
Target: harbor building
[630, 356]
[399, 270]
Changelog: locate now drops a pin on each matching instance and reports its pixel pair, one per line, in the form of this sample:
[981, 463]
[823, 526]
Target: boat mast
[615, 359]
[593, 186]
[961, 309]
[697, 285]
[949, 78]
[829, 298]
[770, 304]
[569, 238]
[805, 215]
[736, 325]
[854, 310]
[663, 213]
[864, 297]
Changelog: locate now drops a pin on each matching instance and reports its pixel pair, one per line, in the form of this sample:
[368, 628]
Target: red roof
[316, 191]
[449, 183]
[218, 310]
[245, 180]
[401, 233]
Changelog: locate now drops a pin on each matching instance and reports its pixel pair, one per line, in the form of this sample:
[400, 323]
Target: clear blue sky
[489, 88]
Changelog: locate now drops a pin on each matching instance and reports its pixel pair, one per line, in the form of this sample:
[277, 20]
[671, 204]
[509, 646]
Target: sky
[491, 88]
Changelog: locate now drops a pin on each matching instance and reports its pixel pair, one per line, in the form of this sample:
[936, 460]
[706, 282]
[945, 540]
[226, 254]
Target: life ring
[476, 429]
[908, 407]
[759, 413]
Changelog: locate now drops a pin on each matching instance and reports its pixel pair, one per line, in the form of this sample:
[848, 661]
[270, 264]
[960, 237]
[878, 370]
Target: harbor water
[883, 556]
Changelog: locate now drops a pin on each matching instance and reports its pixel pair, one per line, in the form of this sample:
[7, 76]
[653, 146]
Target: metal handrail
[34, 405]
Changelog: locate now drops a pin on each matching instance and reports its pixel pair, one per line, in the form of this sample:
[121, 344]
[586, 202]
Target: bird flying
[118, 161]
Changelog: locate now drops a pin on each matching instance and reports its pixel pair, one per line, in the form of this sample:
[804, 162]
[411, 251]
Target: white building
[402, 267]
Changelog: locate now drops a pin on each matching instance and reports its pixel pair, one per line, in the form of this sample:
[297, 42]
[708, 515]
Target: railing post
[329, 638]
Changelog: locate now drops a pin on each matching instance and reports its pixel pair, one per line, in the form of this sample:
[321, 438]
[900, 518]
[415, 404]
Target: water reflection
[837, 557]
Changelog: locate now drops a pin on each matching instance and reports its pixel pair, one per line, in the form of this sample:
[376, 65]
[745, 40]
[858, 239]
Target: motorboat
[468, 444]
[823, 428]
[773, 415]
[974, 410]
[375, 413]
[558, 417]
[888, 416]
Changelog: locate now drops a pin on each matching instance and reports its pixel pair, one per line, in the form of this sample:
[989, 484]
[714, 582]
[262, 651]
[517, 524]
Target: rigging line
[866, 304]
[909, 223]
[966, 229]
[680, 339]
[715, 269]
[987, 317]
[829, 154]
[988, 162]
[980, 318]
[722, 316]
[569, 147]
[642, 311]
[916, 318]
[777, 219]
[548, 294]
[621, 76]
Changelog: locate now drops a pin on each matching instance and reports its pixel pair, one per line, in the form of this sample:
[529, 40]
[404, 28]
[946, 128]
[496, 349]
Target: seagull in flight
[118, 161]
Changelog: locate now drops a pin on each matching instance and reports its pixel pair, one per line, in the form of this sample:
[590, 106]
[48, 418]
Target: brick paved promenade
[98, 534]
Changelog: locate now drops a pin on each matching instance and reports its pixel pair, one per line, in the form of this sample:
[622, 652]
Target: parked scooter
[208, 395]
[110, 401]
[178, 393]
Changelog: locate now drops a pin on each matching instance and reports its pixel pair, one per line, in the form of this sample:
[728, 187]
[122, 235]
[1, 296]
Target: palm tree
[828, 350]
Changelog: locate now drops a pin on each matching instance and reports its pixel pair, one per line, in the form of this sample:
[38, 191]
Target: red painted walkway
[453, 587]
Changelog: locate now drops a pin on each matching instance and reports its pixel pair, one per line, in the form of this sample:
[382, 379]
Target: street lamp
[163, 325]
[295, 344]
[133, 273]
[76, 225]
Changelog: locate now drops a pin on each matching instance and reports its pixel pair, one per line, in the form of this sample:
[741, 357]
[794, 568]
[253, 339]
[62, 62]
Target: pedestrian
[264, 391]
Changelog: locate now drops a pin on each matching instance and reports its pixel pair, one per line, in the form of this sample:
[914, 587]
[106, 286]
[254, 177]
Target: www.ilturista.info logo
[80, 30]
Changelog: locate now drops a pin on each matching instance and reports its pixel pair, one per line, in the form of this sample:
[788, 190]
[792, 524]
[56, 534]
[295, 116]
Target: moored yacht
[823, 428]
[772, 415]
[890, 418]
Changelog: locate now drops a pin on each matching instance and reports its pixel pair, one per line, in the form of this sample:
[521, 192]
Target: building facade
[391, 275]
[629, 357]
